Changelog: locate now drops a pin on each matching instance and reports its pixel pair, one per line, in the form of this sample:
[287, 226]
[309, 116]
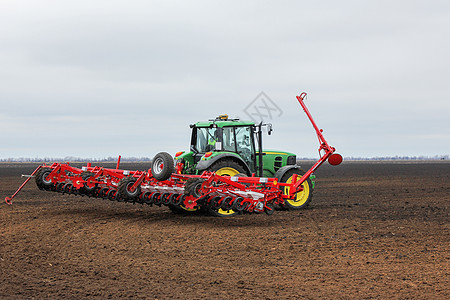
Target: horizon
[92, 79]
[147, 159]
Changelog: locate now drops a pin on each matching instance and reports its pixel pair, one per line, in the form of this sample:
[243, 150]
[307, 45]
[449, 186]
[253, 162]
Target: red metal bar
[8, 200]
[138, 182]
[118, 163]
[323, 146]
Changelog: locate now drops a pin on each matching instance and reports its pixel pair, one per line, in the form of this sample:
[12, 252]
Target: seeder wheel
[176, 199]
[41, 179]
[124, 188]
[269, 209]
[156, 199]
[112, 195]
[89, 186]
[68, 188]
[165, 198]
[192, 187]
[103, 193]
[239, 205]
[227, 203]
[60, 187]
[215, 203]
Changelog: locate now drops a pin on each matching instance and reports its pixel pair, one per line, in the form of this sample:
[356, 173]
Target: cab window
[206, 139]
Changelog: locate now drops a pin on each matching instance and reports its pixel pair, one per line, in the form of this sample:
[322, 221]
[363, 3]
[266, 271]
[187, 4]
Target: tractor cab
[224, 135]
[231, 146]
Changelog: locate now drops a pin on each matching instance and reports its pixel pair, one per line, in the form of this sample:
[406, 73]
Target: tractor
[233, 147]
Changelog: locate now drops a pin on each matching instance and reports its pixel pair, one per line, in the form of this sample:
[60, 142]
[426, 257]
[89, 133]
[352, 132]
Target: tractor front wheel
[230, 168]
[300, 199]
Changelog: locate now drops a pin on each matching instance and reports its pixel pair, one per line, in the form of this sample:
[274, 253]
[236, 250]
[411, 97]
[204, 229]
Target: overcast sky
[101, 78]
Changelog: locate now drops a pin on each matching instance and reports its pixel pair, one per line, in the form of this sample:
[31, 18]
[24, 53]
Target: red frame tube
[8, 200]
[323, 146]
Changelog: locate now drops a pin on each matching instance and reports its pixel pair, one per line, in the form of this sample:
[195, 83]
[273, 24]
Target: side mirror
[269, 129]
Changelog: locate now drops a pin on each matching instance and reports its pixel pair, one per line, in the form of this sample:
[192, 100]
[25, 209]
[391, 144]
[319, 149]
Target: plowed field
[373, 230]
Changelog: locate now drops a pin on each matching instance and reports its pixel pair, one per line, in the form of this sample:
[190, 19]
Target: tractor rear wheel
[225, 167]
[301, 199]
[162, 166]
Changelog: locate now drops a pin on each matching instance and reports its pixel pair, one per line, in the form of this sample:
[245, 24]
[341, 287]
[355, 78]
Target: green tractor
[231, 147]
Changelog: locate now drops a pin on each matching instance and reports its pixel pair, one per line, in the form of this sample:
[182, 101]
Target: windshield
[206, 139]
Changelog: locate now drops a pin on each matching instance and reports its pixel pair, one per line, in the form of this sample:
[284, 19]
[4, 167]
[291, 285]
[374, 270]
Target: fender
[205, 164]
[281, 171]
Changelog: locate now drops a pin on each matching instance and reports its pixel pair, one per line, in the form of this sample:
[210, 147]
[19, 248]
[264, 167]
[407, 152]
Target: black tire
[85, 176]
[192, 187]
[303, 198]
[140, 199]
[41, 178]
[68, 188]
[165, 198]
[146, 198]
[175, 199]
[103, 193]
[162, 166]
[124, 186]
[60, 187]
[243, 206]
[112, 195]
[156, 198]
[215, 203]
[269, 209]
[227, 203]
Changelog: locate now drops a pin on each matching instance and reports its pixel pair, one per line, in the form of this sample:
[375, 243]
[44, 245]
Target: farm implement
[223, 173]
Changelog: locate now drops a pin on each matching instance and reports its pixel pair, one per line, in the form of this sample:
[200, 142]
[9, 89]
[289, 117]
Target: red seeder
[187, 192]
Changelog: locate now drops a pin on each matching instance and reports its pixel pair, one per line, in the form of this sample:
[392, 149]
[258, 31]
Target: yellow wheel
[225, 168]
[302, 198]
[227, 171]
[181, 209]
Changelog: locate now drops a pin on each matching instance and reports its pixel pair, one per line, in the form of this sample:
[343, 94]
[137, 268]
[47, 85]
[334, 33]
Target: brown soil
[373, 230]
